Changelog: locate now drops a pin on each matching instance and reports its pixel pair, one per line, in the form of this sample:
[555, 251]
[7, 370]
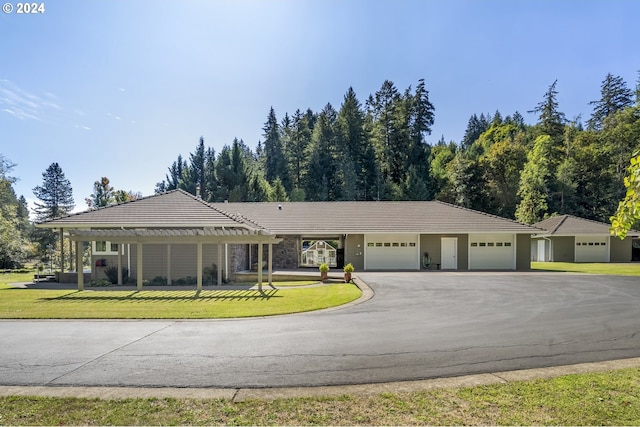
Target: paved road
[418, 326]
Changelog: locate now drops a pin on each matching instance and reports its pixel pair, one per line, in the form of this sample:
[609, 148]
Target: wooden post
[169, 280]
[219, 278]
[79, 265]
[260, 267]
[61, 251]
[120, 264]
[270, 264]
[199, 263]
[139, 265]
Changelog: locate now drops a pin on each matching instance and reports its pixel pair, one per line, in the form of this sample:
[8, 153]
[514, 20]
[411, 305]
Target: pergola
[171, 218]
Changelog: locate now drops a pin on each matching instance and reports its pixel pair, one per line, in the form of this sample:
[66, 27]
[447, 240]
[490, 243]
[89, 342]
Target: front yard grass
[622, 269]
[585, 399]
[212, 303]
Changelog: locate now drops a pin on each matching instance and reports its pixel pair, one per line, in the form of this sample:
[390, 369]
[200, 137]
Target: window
[490, 244]
[483, 244]
[507, 243]
[395, 244]
[370, 244]
[474, 244]
[387, 244]
[105, 248]
[412, 244]
[403, 244]
[499, 244]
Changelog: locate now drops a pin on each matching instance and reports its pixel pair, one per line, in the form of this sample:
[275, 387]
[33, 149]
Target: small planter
[324, 271]
[348, 269]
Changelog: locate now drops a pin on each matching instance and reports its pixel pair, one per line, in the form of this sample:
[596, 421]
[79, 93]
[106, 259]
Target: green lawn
[167, 304]
[585, 399]
[623, 269]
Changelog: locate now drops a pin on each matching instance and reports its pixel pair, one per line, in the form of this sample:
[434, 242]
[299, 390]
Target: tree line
[378, 151]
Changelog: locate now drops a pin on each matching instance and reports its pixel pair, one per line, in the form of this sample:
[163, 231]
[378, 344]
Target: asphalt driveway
[417, 326]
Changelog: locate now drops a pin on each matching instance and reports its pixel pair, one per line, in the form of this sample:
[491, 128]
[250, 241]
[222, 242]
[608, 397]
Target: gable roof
[173, 209]
[317, 218]
[569, 225]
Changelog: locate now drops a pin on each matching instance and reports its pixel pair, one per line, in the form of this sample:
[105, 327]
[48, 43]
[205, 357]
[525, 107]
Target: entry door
[449, 253]
[541, 250]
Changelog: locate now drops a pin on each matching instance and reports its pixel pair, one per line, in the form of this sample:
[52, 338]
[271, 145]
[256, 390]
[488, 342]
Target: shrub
[99, 282]
[112, 274]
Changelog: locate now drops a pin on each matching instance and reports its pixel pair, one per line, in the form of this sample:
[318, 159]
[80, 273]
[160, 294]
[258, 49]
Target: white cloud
[25, 105]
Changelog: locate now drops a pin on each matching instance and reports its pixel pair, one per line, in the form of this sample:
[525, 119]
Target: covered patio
[170, 220]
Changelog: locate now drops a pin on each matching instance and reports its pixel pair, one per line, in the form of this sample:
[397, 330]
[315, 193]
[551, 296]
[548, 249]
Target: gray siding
[523, 251]
[564, 249]
[354, 251]
[431, 243]
[620, 250]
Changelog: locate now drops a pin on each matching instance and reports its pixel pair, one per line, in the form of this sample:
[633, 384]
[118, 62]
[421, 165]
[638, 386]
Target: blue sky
[120, 88]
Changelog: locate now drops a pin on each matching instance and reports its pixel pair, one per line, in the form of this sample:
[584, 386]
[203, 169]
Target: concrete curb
[243, 394]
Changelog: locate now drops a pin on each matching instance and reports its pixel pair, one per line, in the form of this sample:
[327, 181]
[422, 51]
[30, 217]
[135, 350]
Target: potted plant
[324, 271]
[348, 269]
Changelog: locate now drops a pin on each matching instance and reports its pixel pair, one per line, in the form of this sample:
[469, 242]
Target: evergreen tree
[103, 194]
[55, 194]
[275, 162]
[550, 120]
[321, 182]
[615, 96]
[475, 127]
[297, 143]
[358, 162]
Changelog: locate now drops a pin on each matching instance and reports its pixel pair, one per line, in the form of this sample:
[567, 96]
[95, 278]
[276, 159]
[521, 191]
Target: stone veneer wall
[238, 259]
[286, 254]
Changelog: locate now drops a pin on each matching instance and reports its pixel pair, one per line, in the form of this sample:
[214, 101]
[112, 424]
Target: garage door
[392, 252]
[491, 252]
[592, 249]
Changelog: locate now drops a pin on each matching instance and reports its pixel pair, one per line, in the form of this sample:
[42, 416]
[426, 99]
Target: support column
[260, 267]
[270, 264]
[61, 251]
[169, 280]
[199, 266]
[219, 277]
[79, 265]
[139, 265]
[120, 246]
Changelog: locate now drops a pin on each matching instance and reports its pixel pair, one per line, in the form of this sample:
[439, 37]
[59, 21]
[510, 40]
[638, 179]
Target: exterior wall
[431, 243]
[286, 254]
[354, 251]
[620, 250]
[563, 249]
[523, 251]
[154, 260]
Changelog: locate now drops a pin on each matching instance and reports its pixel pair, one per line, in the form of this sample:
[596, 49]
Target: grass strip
[583, 399]
[619, 269]
[170, 303]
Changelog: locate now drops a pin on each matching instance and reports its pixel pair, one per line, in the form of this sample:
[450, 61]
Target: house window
[507, 243]
[474, 244]
[105, 248]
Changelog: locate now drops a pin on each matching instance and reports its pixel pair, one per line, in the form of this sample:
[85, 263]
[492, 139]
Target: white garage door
[592, 249]
[492, 252]
[392, 252]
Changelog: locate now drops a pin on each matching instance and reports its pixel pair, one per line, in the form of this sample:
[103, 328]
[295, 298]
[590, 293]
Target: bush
[99, 282]
[158, 281]
[112, 274]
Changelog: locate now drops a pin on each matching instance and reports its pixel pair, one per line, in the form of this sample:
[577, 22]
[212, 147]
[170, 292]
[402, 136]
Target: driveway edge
[243, 394]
